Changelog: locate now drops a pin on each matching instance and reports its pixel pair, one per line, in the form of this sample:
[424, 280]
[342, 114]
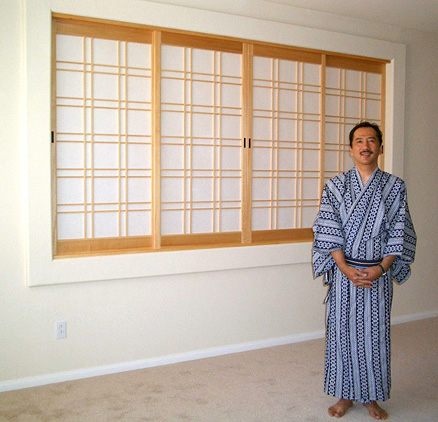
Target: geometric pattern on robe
[367, 223]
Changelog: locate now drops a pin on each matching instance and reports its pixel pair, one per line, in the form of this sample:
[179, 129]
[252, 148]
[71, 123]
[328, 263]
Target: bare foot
[376, 411]
[340, 408]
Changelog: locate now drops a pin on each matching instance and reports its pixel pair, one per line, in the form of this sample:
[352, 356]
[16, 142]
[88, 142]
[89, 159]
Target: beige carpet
[276, 384]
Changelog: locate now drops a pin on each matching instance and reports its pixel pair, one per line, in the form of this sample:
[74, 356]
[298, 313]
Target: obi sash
[354, 262]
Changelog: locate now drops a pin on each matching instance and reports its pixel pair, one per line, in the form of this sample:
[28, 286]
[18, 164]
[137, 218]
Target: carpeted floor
[270, 385]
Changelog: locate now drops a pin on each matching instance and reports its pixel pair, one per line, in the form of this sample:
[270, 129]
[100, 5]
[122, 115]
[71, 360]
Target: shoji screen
[201, 166]
[354, 92]
[286, 123]
[165, 139]
[103, 139]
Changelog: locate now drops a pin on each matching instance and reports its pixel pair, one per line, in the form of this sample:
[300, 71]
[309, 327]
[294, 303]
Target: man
[364, 239]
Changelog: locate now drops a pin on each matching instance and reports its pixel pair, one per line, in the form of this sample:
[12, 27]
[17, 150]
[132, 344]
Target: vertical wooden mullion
[277, 147]
[126, 137]
[341, 114]
[339, 123]
[190, 95]
[84, 130]
[53, 158]
[297, 102]
[362, 89]
[301, 143]
[92, 135]
[213, 142]
[271, 175]
[126, 201]
[185, 49]
[382, 110]
[219, 155]
[213, 181]
[365, 77]
[119, 142]
[119, 181]
[247, 94]
[342, 100]
[156, 140]
[322, 125]
[220, 151]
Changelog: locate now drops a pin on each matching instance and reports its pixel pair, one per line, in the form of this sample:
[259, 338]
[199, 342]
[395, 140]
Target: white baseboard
[153, 362]
[413, 317]
[177, 358]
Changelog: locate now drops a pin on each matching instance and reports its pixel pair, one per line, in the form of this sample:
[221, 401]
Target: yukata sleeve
[328, 234]
[402, 240]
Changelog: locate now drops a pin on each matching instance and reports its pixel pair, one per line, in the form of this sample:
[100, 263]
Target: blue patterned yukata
[367, 223]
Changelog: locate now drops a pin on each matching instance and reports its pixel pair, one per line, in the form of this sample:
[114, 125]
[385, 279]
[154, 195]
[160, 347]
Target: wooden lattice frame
[157, 37]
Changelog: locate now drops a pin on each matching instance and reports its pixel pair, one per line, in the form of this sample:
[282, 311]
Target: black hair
[375, 126]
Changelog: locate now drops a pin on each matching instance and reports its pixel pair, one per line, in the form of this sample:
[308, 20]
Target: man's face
[365, 148]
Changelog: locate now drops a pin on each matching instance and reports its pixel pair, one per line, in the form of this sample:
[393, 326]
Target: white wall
[421, 170]
[111, 322]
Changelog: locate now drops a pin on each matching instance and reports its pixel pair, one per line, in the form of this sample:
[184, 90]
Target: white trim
[152, 264]
[180, 357]
[41, 268]
[413, 317]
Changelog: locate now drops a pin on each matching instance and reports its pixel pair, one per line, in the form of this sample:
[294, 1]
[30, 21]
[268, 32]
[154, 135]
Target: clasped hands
[362, 277]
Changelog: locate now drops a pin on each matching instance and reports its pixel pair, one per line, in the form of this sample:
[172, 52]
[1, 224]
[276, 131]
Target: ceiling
[416, 14]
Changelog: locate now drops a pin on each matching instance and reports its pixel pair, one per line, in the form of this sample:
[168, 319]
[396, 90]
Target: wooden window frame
[73, 25]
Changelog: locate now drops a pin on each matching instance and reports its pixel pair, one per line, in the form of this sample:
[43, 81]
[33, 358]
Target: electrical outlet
[61, 329]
